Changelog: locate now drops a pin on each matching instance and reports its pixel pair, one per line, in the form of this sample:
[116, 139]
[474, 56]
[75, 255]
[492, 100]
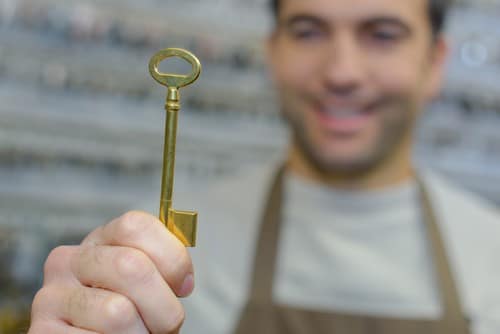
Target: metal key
[181, 223]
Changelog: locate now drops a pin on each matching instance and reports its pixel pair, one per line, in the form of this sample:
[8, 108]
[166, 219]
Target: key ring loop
[174, 80]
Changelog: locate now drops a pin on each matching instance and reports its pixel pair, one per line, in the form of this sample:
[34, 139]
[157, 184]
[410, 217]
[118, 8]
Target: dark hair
[437, 13]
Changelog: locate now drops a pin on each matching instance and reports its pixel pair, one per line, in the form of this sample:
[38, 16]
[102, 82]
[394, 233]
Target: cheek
[293, 71]
[399, 78]
[403, 74]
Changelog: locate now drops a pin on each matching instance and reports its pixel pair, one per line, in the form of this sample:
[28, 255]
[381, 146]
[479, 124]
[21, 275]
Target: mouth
[344, 120]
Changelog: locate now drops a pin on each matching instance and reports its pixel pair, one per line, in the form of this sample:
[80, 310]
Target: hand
[124, 278]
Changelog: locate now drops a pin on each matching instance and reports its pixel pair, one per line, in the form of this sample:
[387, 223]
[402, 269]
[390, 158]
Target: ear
[439, 55]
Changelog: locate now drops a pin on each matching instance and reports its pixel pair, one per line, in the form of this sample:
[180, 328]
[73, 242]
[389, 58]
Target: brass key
[181, 223]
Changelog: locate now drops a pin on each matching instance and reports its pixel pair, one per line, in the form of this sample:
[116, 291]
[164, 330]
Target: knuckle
[46, 304]
[132, 224]
[55, 260]
[40, 327]
[134, 266]
[119, 312]
[40, 302]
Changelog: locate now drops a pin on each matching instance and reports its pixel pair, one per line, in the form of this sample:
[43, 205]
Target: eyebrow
[389, 21]
[370, 22]
[302, 18]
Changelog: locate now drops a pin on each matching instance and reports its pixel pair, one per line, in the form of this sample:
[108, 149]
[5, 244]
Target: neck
[395, 169]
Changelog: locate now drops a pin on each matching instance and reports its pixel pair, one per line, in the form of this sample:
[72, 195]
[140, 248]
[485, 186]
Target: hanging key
[181, 223]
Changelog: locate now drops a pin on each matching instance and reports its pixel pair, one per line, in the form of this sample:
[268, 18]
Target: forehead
[411, 11]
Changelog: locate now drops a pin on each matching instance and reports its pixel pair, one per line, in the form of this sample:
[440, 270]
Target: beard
[397, 116]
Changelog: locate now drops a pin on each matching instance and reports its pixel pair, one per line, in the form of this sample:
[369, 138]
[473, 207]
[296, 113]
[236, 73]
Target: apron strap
[450, 298]
[268, 238]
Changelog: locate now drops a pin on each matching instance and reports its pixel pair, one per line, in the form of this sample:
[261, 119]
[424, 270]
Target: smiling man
[353, 76]
[345, 236]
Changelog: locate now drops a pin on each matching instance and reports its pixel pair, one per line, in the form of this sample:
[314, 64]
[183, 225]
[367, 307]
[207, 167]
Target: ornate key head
[174, 80]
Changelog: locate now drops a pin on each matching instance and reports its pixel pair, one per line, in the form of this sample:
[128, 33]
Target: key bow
[174, 80]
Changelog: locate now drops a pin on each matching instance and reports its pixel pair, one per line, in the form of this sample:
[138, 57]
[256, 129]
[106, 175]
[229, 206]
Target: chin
[348, 163]
[345, 166]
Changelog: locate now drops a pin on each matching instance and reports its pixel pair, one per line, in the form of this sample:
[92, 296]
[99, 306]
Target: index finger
[147, 233]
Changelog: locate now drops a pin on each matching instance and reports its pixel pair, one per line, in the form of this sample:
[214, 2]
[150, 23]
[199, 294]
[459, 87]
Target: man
[346, 238]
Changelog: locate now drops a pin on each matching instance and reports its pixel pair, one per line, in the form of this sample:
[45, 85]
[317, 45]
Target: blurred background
[81, 120]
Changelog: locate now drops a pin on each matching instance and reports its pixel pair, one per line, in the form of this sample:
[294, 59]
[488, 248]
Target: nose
[343, 72]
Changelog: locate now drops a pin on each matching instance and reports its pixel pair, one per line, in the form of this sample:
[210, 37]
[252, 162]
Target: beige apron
[262, 316]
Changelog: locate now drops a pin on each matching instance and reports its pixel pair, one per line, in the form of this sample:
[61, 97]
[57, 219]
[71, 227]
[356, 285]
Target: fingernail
[187, 286]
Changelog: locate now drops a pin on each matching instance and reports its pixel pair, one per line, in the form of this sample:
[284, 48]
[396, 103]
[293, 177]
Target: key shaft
[172, 107]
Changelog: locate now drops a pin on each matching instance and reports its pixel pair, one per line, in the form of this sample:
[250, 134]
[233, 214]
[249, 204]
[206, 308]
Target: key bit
[181, 223]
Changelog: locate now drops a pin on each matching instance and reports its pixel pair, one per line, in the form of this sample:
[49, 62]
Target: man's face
[352, 76]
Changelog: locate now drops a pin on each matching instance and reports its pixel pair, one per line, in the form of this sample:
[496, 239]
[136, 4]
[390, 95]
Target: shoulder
[470, 228]
[469, 223]
[459, 207]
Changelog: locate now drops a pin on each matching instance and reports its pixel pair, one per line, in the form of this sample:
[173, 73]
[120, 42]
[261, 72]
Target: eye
[385, 36]
[306, 32]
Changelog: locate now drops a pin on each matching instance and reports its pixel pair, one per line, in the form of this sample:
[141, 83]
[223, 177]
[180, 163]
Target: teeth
[345, 113]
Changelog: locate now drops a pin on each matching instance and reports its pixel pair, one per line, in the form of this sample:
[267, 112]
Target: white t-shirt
[343, 251]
